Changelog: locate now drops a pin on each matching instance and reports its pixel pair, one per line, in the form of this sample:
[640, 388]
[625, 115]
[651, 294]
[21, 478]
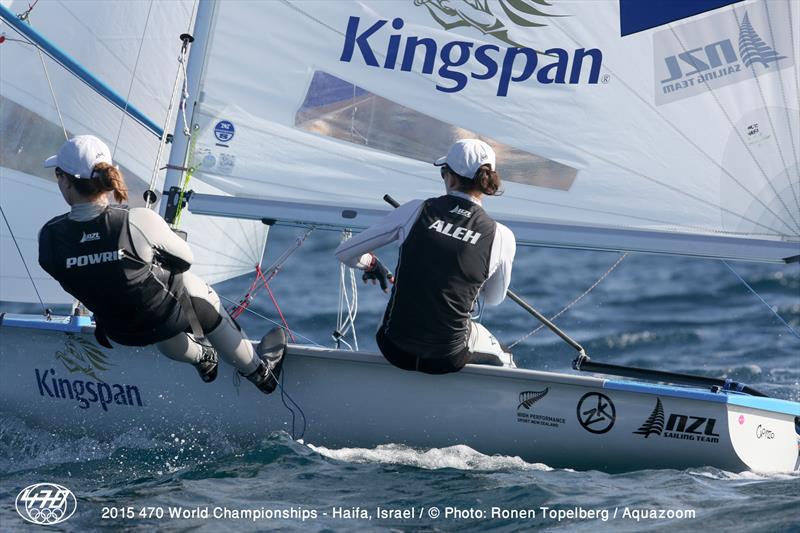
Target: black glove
[378, 272]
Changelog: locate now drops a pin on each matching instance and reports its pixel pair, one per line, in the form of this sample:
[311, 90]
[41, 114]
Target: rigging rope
[25, 17]
[24, 263]
[774, 311]
[576, 300]
[346, 324]
[133, 78]
[259, 315]
[262, 279]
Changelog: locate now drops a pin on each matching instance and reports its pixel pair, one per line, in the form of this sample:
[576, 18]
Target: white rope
[573, 302]
[53, 94]
[348, 308]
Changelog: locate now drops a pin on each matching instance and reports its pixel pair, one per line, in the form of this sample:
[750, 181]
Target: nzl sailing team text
[554, 514]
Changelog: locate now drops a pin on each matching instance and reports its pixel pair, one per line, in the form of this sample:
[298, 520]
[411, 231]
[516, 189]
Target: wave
[458, 457]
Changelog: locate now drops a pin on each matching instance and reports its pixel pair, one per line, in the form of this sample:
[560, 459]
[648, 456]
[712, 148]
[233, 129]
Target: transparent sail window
[336, 108]
[28, 139]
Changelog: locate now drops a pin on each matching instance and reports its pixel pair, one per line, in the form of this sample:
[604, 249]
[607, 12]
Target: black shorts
[437, 365]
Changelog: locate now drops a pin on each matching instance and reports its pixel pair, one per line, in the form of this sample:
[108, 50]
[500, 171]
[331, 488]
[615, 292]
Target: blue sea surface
[676, 314]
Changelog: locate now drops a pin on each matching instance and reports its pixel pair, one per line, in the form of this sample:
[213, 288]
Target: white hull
[358, 400]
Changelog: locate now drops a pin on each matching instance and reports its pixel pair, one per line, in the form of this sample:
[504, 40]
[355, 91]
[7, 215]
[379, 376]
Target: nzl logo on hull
[678, 426]
[457, 62]
[719, 50]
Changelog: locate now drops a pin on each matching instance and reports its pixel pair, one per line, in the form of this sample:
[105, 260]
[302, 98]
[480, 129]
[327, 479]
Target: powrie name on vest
[462, 234]
[93, 259]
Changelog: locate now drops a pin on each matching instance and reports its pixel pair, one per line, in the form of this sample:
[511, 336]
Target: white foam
[459, 457]
[749, 476]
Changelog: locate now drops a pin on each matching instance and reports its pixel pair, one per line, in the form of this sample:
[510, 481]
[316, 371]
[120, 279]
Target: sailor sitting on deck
[451, 252]
[131, 270]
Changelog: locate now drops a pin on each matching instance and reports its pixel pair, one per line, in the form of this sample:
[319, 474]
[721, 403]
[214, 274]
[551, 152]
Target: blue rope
[774, 312]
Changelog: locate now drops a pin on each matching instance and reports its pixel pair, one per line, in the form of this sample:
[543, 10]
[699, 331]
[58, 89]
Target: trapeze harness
[135, 302]
[444, 262]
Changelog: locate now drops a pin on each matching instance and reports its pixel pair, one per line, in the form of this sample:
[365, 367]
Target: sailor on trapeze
[451, 251]
[131, 270]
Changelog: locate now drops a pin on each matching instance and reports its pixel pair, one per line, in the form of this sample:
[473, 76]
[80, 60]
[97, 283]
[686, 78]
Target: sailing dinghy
[621, 132]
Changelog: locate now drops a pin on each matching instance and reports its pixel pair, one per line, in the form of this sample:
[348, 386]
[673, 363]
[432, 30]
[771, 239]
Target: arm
[504, 248]
[394, 226]
[151, 233]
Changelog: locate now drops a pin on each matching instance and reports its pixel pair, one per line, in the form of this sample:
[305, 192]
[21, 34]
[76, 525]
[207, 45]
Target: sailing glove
[376, 271]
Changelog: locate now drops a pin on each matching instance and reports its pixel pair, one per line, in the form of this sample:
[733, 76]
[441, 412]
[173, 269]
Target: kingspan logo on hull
[378, 48]
[87, 392]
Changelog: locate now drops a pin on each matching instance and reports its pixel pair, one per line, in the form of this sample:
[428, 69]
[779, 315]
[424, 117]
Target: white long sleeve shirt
[397, 225]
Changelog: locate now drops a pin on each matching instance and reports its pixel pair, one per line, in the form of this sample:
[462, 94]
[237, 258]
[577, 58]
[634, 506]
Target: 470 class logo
[46, 504]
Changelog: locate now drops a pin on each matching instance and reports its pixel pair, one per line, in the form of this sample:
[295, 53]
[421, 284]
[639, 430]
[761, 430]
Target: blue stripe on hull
[774, 405]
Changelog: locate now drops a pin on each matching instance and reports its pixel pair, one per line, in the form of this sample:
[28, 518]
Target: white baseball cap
[78, 156]
[466, 156]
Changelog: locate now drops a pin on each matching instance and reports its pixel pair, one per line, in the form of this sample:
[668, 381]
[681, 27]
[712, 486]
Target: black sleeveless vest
[134, 302]
[443, 263]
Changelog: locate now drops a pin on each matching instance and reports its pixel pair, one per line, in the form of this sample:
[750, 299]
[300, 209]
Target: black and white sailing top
[451, 252]
[123, 265]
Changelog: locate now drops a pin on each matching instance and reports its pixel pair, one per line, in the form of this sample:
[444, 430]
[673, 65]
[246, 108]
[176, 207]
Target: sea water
[677, 314]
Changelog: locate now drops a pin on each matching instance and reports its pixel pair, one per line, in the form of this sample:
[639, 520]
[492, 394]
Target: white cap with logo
[466, 156]
[78, 156]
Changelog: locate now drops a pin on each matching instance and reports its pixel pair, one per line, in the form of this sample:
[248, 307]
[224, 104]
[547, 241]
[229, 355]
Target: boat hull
[56, 379]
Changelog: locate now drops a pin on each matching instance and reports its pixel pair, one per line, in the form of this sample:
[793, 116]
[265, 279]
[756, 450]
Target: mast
[194, 69]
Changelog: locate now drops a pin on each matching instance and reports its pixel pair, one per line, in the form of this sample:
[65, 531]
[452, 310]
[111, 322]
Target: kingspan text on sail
[553, 65]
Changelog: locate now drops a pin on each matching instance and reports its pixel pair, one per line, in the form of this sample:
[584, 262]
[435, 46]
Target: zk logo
[596, 412]
[46, 504]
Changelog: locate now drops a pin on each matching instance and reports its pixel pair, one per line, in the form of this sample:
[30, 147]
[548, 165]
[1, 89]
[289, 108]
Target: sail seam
[609, 161]
[771, 122]
[745, 145]
[785, 105]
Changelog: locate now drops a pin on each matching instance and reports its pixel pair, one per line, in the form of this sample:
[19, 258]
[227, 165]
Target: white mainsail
[683, 138]
[133, 47]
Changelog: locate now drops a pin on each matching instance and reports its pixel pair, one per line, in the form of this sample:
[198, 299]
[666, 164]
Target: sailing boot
[270, 351]
[208, 364]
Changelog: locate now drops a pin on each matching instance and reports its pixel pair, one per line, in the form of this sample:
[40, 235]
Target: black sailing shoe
[208, 365]
[270, 350]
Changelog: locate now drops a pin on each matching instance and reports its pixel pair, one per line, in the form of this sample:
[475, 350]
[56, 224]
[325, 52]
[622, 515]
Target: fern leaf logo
[752, 48]
[485, 16]
[528, 398]
[654, 423]
[81, 355]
